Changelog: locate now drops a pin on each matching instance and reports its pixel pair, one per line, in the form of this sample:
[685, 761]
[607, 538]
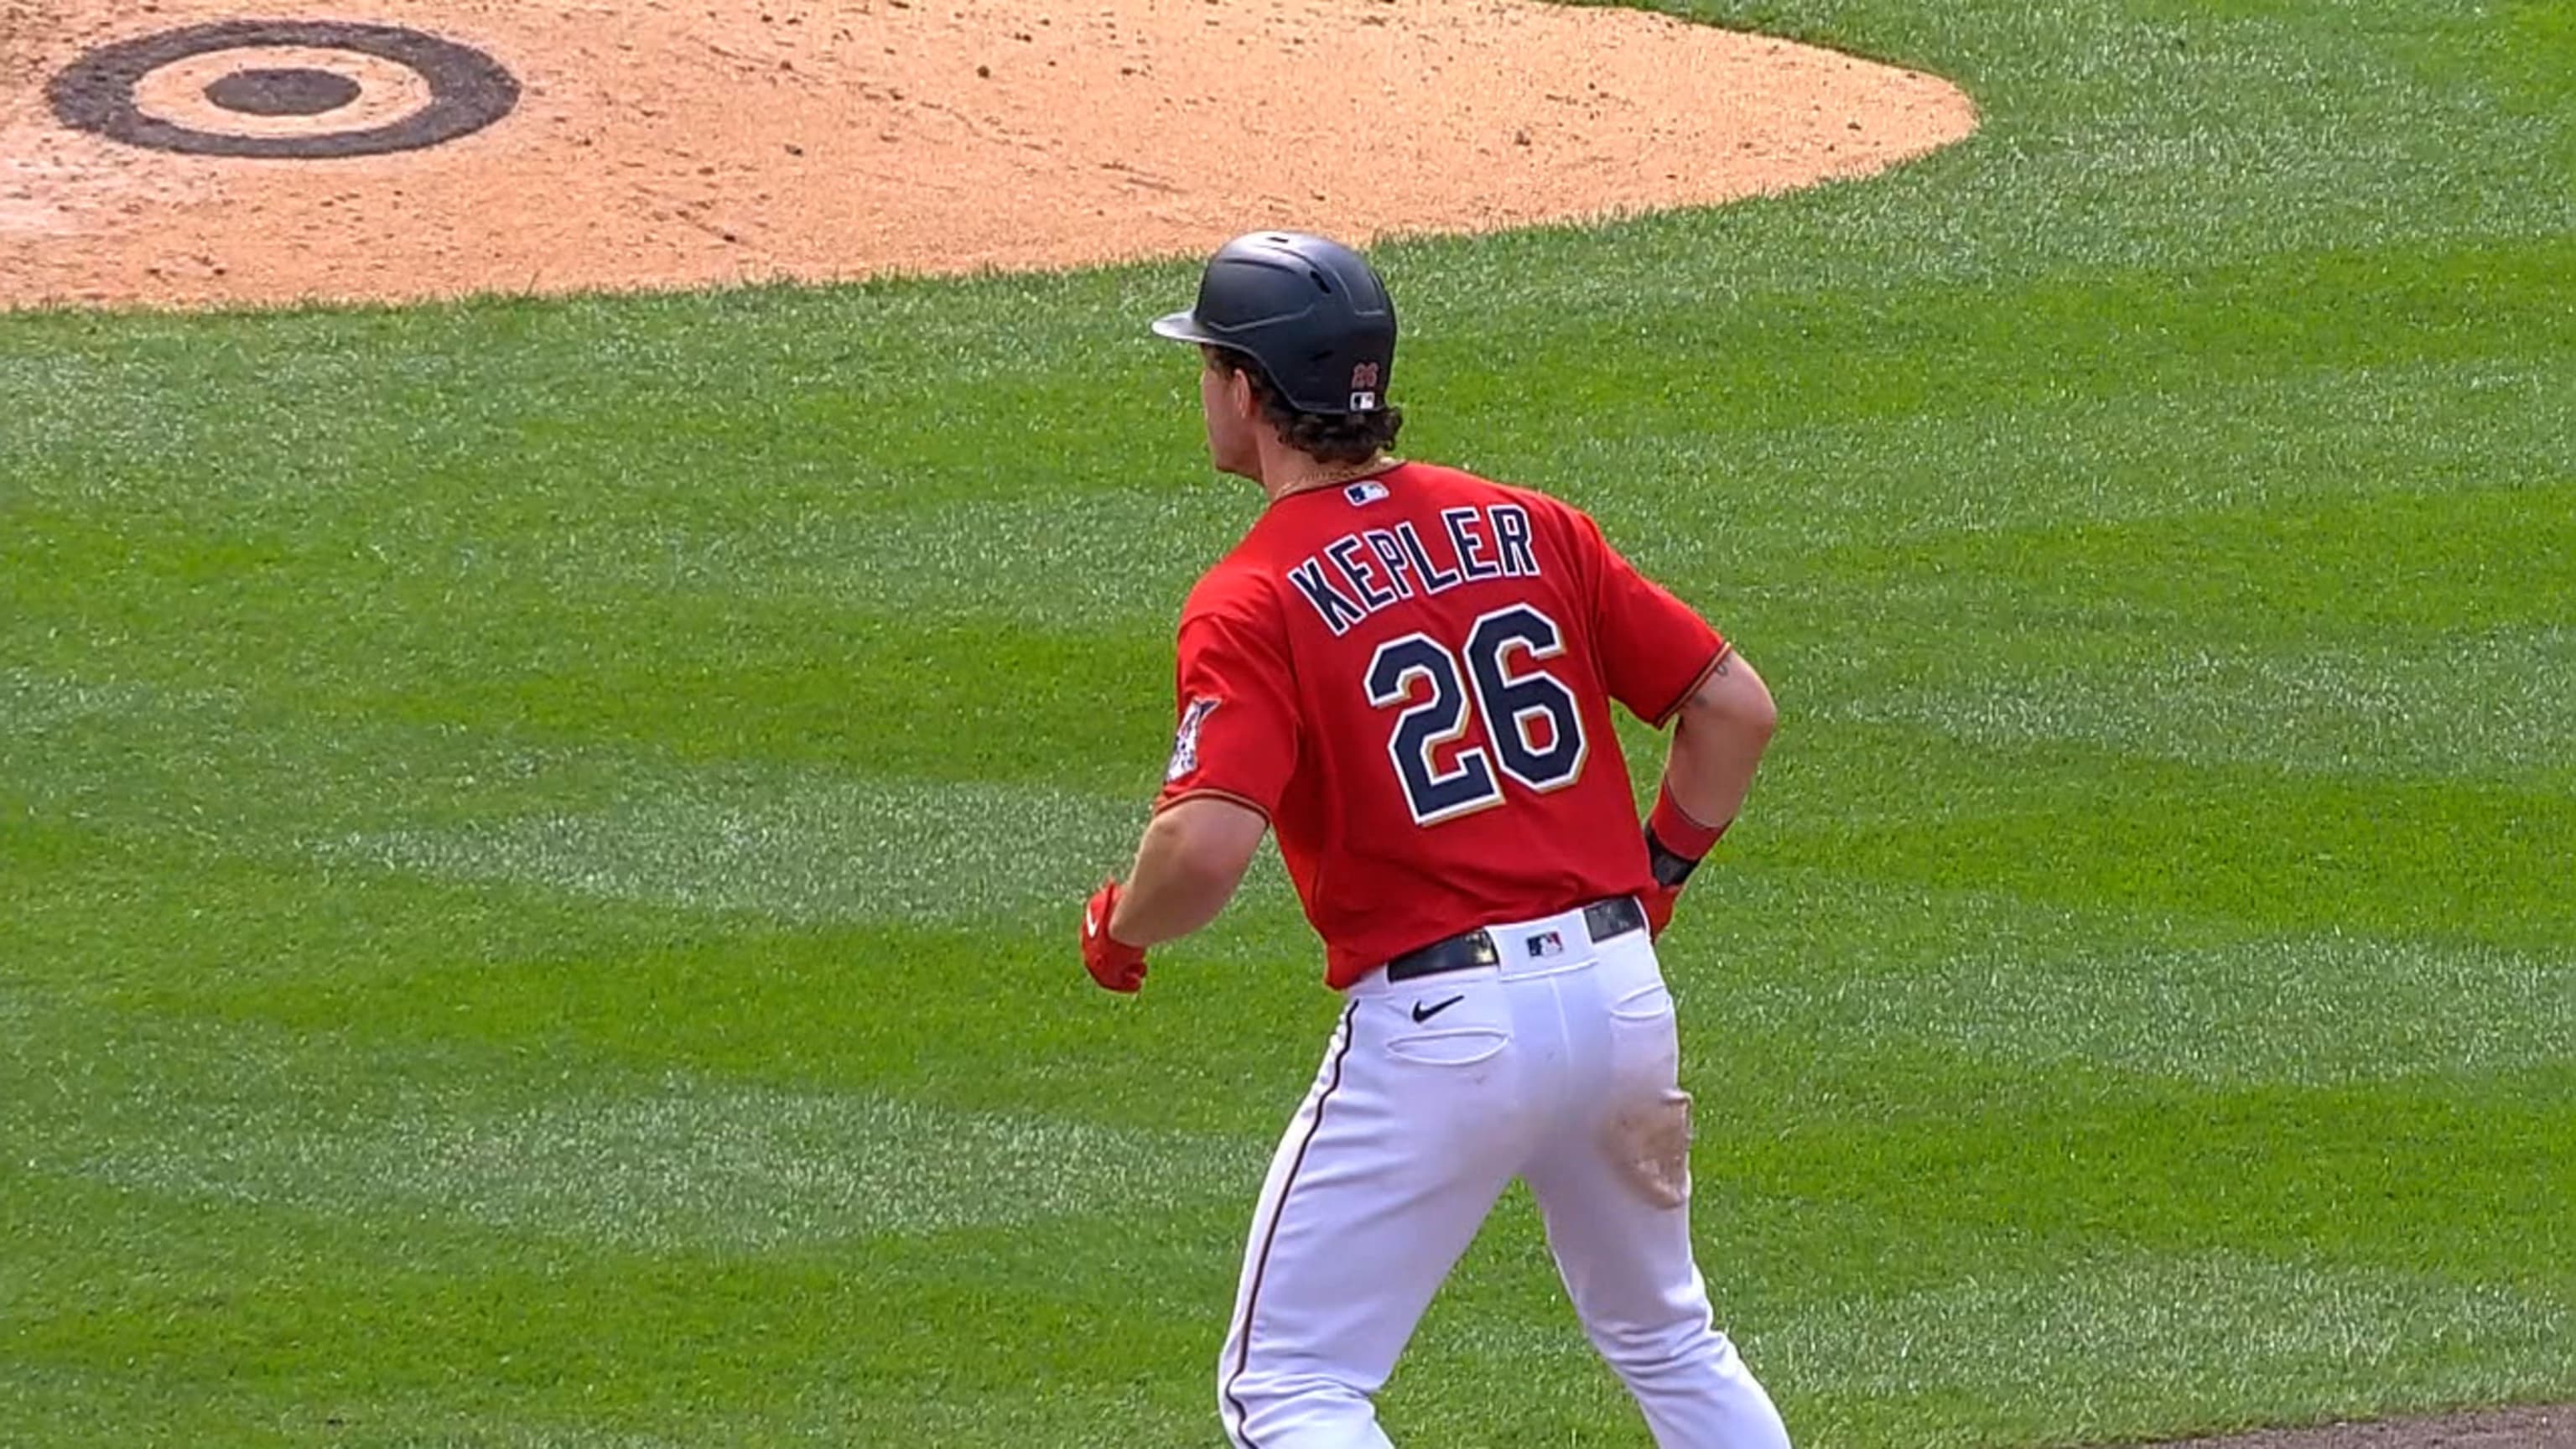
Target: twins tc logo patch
[1185, 744]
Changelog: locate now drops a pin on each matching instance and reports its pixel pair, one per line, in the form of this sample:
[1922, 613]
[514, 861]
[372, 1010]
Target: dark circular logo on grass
[468, 90]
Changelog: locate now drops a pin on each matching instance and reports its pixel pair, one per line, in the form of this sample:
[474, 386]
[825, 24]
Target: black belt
[1468, 950]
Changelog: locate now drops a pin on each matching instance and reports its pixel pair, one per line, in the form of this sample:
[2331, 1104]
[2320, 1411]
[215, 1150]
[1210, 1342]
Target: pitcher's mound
[182, 151]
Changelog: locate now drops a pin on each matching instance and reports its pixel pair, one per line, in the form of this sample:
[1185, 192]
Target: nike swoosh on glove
[1113, 963]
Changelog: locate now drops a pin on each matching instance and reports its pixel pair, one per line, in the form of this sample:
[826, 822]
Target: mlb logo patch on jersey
[1367, 490]
[1185, 744]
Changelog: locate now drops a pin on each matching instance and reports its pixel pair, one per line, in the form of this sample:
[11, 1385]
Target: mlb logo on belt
[1545, 943]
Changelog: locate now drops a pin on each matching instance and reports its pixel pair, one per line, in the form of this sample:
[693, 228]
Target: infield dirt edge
[742, 143]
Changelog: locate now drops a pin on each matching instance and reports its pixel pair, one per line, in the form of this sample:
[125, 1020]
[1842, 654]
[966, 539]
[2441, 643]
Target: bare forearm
[1718, 743]
[1187, 867]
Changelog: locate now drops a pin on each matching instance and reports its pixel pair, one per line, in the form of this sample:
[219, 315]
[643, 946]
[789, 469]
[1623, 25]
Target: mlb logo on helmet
[1364, 386]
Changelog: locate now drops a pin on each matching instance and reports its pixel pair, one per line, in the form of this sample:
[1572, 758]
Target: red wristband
[1681, 834]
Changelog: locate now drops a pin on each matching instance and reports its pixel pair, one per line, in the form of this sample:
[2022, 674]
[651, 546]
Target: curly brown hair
[1324, 437]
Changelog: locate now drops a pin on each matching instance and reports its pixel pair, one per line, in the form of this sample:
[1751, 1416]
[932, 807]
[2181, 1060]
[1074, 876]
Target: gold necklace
[1348, 473]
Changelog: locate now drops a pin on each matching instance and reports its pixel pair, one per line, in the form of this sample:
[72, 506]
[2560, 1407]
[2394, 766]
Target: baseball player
[1406, 672]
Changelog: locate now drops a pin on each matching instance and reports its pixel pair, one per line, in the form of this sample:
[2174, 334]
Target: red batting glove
[1659, 902]
[1113, 963]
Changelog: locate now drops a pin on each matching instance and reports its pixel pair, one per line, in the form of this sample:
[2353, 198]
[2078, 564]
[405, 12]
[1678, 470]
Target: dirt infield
[238, 151]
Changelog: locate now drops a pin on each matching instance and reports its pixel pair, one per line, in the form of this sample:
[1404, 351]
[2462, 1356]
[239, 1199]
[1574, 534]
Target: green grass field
[542, 841]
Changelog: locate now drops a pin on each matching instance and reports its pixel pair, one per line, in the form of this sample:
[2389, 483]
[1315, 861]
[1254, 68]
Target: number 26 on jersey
[1523, 722]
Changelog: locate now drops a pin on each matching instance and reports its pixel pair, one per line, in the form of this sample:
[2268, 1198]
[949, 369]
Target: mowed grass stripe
[2500, 704]
[685, 1167]
[2340, 571]
[939, 699]
[2118, 1335]
[299, 1125]
[2162, 341]
[2391, 1175]
[2084, 827]
[815, 850]
[2242, 1339]
[2241, 1334]
[976, 1019]
[436, 1330]
[2227, 397]
[518, 806]
[1811, 955]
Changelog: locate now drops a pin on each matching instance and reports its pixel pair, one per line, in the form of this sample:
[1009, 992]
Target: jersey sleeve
[1655, 650]
[1236, 699]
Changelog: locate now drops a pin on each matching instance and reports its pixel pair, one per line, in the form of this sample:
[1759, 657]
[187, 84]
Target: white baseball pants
[1558, 1066]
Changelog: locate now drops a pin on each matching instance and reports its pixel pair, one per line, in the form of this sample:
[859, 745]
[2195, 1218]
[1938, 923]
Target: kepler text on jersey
[1360, 573]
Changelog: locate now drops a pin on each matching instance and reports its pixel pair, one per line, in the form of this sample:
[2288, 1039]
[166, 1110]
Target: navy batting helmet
[1310, 311]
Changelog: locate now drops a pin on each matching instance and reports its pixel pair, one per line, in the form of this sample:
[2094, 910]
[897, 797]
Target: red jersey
[1410, 676]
